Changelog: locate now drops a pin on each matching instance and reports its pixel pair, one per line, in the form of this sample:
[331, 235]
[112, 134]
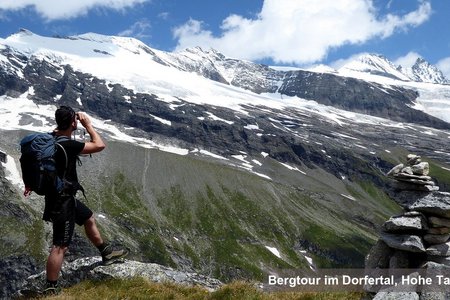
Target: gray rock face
[395, 170]
[442, 260]
[436, 238]
[399, 185]
[422, 168]
[406, 242]
[439, 222]
[439, 250]
[438, 230]
[13, 271]
[405, 223]
[90, 268]
[378, 256]
[437, 203]
[413, 159]
[396, 296]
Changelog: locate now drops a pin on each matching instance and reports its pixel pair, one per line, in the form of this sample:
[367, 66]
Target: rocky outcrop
[358, 96]
[417, 239]
[91, 268]
[13, 273]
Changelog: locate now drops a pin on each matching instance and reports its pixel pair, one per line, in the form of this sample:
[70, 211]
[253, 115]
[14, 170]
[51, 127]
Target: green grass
[139, 288]
[222, 229]
[442, 176]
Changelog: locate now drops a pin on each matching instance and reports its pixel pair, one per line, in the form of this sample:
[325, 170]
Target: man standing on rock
[63, 209]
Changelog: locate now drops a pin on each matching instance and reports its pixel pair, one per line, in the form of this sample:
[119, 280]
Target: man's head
[65, 118]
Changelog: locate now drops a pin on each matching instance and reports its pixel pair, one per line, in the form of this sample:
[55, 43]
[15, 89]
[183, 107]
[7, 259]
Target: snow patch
[252, 127]
[293, 168]
[12, 172]
[274, 251]
[161, 120]
[256, 162]
[262, 175]
[216, 118]
[308, 259]
[348, 197]
[204, 152]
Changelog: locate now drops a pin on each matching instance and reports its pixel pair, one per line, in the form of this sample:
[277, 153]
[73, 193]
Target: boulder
[406, 242]
[412, 176]
[395, 170]
[438, 230]
[415, 181]
[442, 260]
[400, 260]
[413, 159]
[407, 186]
[436, 238]
[439, 222]
[422, 168]
[91, 268]
[407, 170]
[396, 296]
[437, 203]
[378, 256]
[439, 249]
[405, 223]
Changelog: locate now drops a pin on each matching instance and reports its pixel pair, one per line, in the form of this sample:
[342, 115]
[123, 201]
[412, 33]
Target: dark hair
[64, 117]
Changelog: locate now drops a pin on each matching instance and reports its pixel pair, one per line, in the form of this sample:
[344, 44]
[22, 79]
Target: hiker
[63, 209]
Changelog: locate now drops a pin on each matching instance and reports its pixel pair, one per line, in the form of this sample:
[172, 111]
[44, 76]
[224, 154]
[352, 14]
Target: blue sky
[282, 32]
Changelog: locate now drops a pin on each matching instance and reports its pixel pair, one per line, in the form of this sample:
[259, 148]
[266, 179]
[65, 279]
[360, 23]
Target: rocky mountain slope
[215, 165]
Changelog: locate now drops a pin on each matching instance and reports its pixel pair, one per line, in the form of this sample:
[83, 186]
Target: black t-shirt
[73, 149]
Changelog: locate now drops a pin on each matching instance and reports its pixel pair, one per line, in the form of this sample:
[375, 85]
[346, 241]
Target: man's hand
[84, 119]
[96, 144]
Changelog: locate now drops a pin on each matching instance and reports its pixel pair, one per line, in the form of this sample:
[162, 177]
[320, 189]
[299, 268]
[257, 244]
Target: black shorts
[69, 211]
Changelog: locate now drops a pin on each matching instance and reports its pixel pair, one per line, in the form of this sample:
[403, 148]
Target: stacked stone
[419, 238]
[413, 175]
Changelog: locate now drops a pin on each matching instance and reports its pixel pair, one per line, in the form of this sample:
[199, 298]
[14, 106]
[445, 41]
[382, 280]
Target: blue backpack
[38, 164]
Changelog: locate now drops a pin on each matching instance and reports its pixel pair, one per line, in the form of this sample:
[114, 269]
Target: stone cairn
[413, 176]
[418, 238]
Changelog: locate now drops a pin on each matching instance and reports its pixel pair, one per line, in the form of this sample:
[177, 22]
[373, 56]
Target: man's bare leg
[54, 262]
[92, 232]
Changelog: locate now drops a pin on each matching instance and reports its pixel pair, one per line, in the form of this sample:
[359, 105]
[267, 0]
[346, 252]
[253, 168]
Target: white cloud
[138, 30]
[301, 31]
[164, 15]
[408, 60]
[55, 9]
[444, 66]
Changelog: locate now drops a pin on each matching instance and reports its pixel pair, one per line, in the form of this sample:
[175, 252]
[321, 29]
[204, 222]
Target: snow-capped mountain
[218, 165]
[127, 82]
[374, 64]
[423, 71]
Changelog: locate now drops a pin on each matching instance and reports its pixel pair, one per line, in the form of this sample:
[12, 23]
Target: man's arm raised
[96, 144]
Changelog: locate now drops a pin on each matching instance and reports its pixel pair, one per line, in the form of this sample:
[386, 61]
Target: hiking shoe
[50, 290]
[111, 255]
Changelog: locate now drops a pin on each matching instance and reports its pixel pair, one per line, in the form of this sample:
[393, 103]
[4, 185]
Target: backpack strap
[61, 138]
